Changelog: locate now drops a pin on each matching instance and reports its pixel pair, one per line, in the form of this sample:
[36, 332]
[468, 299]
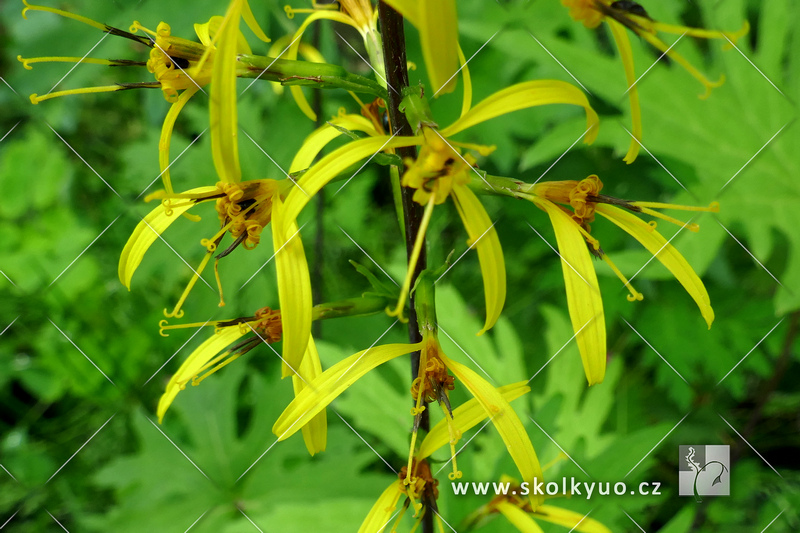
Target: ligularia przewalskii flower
[444, 169]
[572, 229]
[439, 172]
[244, 207]
[630, 15]
[181, 67]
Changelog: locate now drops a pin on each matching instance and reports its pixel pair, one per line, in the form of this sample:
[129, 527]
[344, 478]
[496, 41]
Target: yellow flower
[432, 384]
[440, 172]
[181, 67]
[243, 209]
[222, 348]
[631, 15]
[517, 510]
[447, 431]
[572, 229]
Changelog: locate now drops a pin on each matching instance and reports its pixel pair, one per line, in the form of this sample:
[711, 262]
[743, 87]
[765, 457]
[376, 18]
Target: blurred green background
[82, 364]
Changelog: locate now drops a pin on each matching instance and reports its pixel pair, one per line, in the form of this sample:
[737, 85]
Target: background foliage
[116, 470]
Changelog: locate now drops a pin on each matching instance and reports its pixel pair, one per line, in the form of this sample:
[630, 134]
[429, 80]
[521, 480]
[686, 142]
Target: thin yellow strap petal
[294, 288]
[438, 33]
[657, 245]
[331, 383]
[583, 292]
[570, 519]
[383, 510]
[315, 433]
[525, 95]
[466, 102]
[194, 363]
[166, 135]
[408, 8]
[319, 138]
[146, 233]
[250, 20]
[465, 417]
[505, 420]
[336, 162]
[412, 261]
[483, 237]
[518, 518]
[224, 123]
[626, 54]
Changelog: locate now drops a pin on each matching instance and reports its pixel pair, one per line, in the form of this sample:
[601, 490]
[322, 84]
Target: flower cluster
[436, 168]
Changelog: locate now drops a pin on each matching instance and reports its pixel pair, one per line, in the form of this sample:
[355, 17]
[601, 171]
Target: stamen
[691, 226]
[733, 36]
[79, 18]
[136, 26]
[290, 11]
[103, 27]
[230, 358]
[412, 448]
[455, 435]
[163, 325]
[634, 296]
[417, 522]
[400, 516]
[219, 283]
[675, 56]
[412, 263]
[560, 457]
[26, 63]
[177, 312]
[35, 98]
[482, 149]
[713, 207]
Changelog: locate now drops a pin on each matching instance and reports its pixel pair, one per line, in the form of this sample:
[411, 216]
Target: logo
[704, 470]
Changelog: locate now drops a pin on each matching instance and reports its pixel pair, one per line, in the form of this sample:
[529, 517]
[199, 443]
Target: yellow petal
[467, 99]
[505, 420]
[224, 123]
[315, 433]
[408, 8]
[570, 519]
[438, 34]
[525, 95]
[195, 363]
[490, 255]
[331, 383]
[250, 20]
[147, 231]
[465, 417]
[336, 162]
[583, 293]
[671, 258]
[294, 287]
[166, 135]
[294, 47]
[319, 138]
[206, 33]
[518, 518]
[383, 510]
[626, 54]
